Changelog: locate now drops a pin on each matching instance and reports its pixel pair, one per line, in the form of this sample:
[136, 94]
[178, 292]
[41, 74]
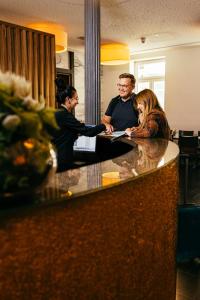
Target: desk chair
[188, 146]
[186, 132]
[198, 148]
[172, 134]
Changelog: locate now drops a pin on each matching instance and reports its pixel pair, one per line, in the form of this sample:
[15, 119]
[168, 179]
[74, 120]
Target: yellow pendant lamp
[115, 54]
[57, 30]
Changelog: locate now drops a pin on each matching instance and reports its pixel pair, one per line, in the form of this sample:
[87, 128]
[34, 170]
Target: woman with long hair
[152, 119]
[69, 126]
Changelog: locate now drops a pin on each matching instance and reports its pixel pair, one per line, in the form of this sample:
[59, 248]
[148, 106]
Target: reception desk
[102, 231]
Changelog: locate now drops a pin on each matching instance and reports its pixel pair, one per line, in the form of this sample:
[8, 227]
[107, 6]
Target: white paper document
[85, 143]
[114, 133]
[118, 133]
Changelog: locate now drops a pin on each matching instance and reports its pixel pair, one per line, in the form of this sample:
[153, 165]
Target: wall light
[115, 54]
[57, 30]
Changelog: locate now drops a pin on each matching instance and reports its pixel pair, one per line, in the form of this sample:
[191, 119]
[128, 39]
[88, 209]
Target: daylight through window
[150, 74]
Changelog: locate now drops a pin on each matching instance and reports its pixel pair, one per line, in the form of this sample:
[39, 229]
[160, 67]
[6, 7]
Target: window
[150, 74]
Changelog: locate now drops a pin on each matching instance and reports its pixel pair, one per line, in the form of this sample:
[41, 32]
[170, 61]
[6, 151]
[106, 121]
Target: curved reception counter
[102, 231]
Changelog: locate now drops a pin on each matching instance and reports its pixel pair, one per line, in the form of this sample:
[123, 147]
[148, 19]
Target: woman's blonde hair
[150, 102]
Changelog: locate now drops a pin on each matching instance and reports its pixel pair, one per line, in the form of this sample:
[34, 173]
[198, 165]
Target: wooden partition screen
[31, 54]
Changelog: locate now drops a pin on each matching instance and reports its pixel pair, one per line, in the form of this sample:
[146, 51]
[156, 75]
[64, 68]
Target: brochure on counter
[88, 144]
[114, 134]
[85, 143]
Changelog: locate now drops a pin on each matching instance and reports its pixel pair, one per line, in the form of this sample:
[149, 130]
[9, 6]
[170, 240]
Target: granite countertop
[146, 156]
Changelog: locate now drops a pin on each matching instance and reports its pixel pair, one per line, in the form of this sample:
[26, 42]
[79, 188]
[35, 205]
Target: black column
[92, 62]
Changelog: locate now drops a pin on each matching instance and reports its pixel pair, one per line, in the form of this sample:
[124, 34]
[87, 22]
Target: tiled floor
[188, 281]
[188, 273]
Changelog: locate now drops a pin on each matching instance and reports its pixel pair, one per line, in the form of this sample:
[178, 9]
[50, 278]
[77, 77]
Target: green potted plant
[25, 126]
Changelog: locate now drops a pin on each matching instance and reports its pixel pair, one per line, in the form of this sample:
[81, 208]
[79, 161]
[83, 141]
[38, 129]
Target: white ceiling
[163, 22]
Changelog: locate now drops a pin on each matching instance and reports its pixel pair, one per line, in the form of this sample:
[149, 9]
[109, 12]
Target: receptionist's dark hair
[63, 91]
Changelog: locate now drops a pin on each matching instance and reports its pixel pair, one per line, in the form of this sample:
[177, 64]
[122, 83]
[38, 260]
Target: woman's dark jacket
[65, 137]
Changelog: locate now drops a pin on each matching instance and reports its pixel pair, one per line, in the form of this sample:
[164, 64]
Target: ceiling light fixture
[57, 30]
[115, 54]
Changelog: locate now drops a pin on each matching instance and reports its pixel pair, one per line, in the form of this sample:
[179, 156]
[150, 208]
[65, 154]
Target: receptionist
[69, 126]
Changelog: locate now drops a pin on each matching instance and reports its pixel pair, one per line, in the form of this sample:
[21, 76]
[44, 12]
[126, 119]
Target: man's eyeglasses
[123, 85]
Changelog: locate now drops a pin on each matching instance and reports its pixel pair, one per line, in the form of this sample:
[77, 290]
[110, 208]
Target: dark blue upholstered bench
[188, 244]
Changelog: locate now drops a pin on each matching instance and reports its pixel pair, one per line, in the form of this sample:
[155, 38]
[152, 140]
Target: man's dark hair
[130, 76]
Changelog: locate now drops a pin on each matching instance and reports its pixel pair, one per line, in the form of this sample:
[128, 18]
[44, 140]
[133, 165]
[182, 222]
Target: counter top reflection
[146, 156]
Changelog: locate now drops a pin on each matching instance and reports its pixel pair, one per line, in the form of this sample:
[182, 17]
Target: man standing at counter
[121, 112]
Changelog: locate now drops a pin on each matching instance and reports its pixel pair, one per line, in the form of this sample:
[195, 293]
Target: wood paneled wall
[29, 53]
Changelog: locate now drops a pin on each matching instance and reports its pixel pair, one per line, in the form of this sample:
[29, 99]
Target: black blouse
[65, 137]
